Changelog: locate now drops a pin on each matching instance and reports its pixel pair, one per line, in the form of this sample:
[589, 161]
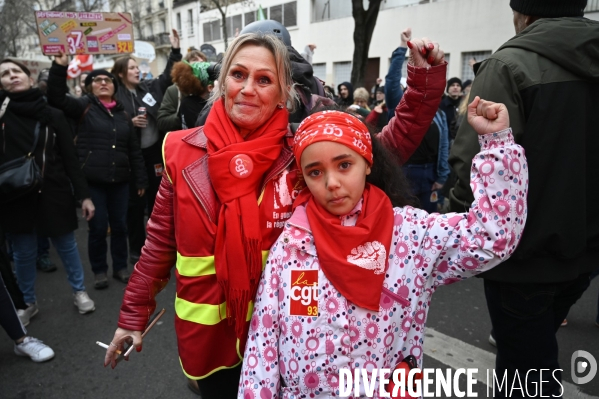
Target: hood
[350, 97]
[568, 42]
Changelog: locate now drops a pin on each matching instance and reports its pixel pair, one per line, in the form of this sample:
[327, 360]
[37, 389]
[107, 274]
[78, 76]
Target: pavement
[458, 329]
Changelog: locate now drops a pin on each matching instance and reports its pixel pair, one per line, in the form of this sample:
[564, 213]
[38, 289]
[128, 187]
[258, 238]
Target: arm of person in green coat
[168, 118]
[495, 81]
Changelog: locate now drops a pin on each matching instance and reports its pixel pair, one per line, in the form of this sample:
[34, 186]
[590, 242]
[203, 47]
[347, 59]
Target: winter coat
[51, 211]
[107, 146]
[547, 77]
[182, 230]
[294, 355]
[168, 114]
[393, 90]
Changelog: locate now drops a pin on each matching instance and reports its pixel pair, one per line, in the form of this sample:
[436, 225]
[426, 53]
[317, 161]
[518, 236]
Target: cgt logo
[582, 362]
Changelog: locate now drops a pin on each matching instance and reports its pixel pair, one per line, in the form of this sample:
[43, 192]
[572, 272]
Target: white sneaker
[35, 349]
[83, 302]
[26, 314]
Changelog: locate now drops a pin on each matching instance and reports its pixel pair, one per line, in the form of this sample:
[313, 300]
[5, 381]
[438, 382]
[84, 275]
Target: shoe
[35, 349]
[492, 339]
[122, 276]
[83, 302]
[45, 264]
[100, 281]
[564, 323]
[26, 314]
[193, 386]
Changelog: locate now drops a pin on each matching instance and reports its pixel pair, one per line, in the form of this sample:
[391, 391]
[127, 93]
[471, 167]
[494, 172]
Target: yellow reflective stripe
[164, 158]
[200, 313]
[195, 266]
[193, 377]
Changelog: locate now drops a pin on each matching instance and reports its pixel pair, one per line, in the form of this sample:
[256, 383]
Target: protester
[195, 84]
[133, 95]
[168, 114]
[542, 77]
[346, 95]
[330, 92]
[466, 86]
[451, 103]
[29, 125]
[370, 269]
[361, 98]
[110, 158]
[77, 92]
[218, 238]
[82, 78]
[308, 52]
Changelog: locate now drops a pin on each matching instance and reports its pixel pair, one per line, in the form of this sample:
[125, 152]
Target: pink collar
[109, 106]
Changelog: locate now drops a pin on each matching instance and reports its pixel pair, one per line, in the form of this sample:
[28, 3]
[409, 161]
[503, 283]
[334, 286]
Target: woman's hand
[141, 192]
[140, 121]
[62, 59]
[120, 337]
[487, 116]
[88, 209]
[174, 38]
[425, 53]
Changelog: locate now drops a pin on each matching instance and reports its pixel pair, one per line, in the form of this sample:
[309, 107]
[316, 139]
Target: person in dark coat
[110, 155]
[346, 95]
[148, 94]
[28, 122]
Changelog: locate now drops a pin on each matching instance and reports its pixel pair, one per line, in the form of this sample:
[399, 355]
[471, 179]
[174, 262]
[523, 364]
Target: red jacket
[182, 229]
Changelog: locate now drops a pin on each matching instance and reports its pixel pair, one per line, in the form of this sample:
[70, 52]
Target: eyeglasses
[100, 80]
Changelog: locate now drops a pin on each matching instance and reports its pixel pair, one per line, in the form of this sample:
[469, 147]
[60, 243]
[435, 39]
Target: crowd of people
[255, 180]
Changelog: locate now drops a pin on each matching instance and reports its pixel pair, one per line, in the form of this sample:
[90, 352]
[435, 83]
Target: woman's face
[13, 79]
[335, 175]
[78, 91]
[361, 102]
[343, 91]
[102, 87]
[251, 88]
[132, 73]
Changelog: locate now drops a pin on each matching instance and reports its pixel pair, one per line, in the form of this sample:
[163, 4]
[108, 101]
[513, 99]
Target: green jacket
[168, 114]
[548, 78]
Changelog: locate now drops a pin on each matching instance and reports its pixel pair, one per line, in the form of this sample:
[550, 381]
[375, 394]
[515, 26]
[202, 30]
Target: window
[341, 72]
[285, 14]
[212, 31]
[179, 27]
[249, 17]
[324, 10]
[478, 56]
[190, 22]
[320, 71]
[163, 25]
[234, 25]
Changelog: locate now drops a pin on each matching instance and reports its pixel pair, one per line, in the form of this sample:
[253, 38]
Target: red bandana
[237, 167]
[353, 258]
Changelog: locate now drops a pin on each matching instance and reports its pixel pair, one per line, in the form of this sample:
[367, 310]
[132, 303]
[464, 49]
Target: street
[458, 325]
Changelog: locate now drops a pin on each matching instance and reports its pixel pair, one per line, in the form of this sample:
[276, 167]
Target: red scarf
[354, 258]
[237, 167]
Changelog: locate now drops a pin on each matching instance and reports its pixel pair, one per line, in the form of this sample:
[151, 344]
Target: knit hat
[97, 72]
[380, 89]
[549, 8]
[452, 81]
[200, 71]
[466, 84]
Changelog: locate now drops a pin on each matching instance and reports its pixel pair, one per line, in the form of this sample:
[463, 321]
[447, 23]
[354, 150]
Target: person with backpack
[109, 155]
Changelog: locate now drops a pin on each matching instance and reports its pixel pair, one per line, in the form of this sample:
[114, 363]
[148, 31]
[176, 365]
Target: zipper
[44, 153]
[86, 158]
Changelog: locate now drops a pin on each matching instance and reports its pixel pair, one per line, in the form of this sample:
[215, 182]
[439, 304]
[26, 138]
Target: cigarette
[103, 345]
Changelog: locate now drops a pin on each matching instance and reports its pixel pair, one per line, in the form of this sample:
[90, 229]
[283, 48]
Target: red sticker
[304, 293]
[241, 166]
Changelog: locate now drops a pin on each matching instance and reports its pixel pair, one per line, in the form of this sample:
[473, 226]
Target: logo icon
[241, 166]
[583, 362]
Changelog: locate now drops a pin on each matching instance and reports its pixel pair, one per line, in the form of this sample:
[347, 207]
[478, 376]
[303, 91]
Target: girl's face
[335, 175]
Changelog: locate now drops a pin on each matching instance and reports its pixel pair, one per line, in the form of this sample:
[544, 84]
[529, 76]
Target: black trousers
[9, 320]
[525, 320]
[10, 283]
[221, 385]
[136, 225]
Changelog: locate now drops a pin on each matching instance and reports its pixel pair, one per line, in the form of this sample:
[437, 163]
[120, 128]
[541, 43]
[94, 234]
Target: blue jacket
[393, 91]
[443, 155]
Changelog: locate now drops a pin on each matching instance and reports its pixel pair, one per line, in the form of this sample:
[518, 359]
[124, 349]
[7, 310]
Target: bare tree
[16, 21]
[365, 21]
[222, 6]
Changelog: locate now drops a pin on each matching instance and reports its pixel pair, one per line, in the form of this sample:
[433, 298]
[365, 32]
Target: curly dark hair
[386, 172]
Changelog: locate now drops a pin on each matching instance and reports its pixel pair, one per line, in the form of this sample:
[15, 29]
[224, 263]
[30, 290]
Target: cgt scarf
[353, 258]
[237, 167]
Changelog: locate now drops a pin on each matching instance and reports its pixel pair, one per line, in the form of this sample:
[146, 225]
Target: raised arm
[418, 105]
[162, 82]
[393, 90]
[57, 90]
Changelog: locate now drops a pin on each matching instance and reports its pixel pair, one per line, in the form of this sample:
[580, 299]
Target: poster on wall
[84, 32]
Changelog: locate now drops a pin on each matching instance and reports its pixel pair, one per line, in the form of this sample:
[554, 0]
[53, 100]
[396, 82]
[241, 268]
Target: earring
[280, 106]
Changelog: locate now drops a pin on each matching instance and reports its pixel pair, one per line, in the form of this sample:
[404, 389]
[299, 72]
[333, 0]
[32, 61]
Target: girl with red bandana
[348, 283]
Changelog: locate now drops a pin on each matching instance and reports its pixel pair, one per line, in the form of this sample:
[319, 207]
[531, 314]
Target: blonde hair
[463, 108]
[361, 94]
[282, 63]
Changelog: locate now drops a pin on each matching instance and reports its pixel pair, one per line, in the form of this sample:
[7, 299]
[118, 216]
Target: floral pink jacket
[300, 336]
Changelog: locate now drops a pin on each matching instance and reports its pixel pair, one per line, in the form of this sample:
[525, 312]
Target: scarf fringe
[253, 258]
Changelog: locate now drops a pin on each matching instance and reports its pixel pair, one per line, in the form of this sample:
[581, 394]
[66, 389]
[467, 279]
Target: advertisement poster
[84, 32]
